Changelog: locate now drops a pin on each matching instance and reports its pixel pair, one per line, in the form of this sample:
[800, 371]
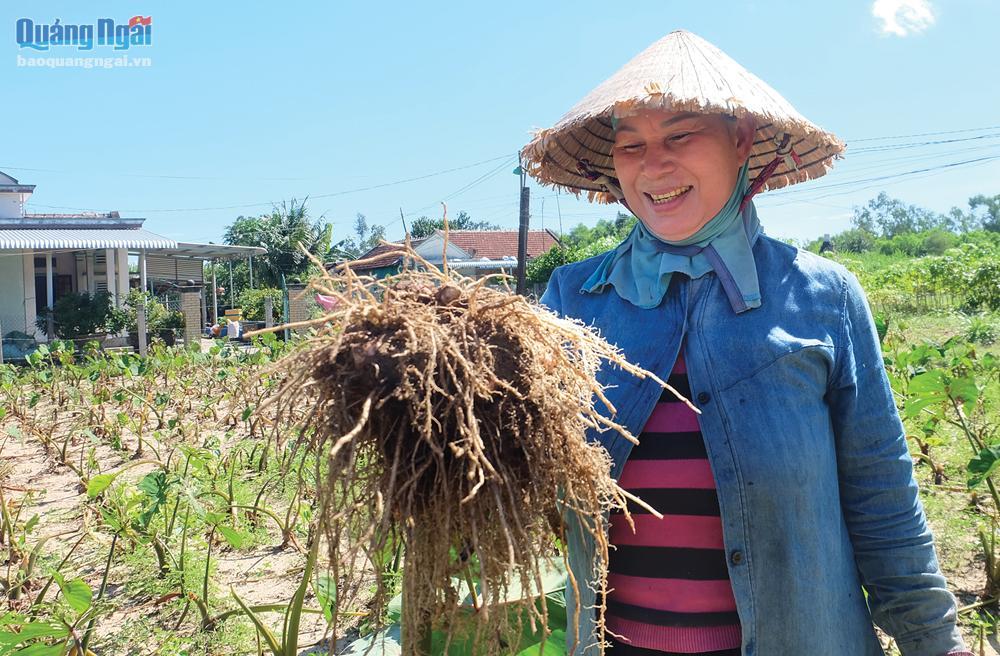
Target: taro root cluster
[452, 416]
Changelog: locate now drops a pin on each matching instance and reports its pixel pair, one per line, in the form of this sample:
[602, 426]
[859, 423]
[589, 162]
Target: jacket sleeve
[893, 545]
[552, 298]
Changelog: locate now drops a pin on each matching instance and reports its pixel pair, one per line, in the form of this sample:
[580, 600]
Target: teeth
[660, 198]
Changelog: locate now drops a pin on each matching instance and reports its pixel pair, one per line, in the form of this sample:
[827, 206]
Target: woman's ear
[746, 128]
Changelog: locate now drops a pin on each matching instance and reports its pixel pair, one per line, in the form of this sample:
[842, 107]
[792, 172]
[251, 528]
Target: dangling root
[452, 416]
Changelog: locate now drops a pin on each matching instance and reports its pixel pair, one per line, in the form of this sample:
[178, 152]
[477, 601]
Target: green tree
[582, 235]
[280, 232]
[425, 226]
[365, 238]
[986, 209]
[887, 217]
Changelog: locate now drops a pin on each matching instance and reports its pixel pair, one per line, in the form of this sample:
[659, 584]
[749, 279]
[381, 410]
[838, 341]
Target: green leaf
[326, 594]
[262, 628]
[387, 642]
[983, 465]
[99, 483]
[233, 537]
[881, 326]
[31, 523]
[40, 649]
[965, 391]
[77, 594]
[247, 412]
[31, 631]
[555, 645]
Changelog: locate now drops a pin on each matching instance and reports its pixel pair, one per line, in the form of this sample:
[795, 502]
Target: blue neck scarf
[641, 267]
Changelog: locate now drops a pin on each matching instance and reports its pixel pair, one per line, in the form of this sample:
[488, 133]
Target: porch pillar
[109, 275]
[250, 264]
[215, 296]
[49, 296]
[88, 260]
[142, 270]
[49, 287]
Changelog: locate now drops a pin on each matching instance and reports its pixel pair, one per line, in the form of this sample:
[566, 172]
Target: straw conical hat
[680, 72]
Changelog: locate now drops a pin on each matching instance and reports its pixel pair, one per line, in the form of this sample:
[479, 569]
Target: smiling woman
[791, 521]
[676, 170]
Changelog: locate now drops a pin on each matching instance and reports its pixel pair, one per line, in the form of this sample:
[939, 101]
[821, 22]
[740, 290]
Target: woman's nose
[658, 159]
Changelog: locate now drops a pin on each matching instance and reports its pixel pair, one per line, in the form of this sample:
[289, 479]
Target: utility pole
[522, 233]
[406, 231]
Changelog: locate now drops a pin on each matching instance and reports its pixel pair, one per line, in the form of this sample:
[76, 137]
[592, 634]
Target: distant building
[474, 253]
[45, 256]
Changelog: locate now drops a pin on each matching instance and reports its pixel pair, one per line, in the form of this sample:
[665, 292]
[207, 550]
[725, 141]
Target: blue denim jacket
[814, 478]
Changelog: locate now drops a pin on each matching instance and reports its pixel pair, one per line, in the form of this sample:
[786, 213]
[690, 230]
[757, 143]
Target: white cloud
[903, 17]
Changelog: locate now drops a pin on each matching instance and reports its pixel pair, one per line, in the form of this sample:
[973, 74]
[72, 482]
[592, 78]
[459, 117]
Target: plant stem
[100, 592]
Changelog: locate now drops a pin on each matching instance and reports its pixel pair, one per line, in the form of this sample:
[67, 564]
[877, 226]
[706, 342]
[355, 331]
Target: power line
[312, 196]
[926, 134]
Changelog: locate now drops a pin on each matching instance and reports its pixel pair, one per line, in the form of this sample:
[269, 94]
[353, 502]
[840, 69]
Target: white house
[44, 256]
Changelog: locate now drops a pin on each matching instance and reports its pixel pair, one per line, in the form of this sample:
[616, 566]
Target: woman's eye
[681, 136]
[630, 148]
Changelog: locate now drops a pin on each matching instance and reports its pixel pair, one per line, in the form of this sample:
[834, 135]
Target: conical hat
[681, 73]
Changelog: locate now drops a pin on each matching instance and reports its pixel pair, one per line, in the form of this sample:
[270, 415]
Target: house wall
[11, 302]
[10, 206]
[28, 289]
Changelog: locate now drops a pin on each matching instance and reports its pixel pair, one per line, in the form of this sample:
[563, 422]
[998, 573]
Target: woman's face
[678, 169]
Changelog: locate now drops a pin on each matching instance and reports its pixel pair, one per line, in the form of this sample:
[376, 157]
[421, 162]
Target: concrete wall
[10, 206]
[11, 300]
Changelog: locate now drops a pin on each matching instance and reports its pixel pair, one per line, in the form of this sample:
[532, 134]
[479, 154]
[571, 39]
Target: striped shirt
[669, 583]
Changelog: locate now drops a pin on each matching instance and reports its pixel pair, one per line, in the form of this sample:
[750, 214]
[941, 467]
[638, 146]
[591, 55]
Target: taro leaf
[925, 390]
[555, 645]
[983, 465]
[155, 486]
[99, 483]
[326, 595]
[233, 537]
[965, 391]
[387, 642]
[77, 594]
[30, 631]
[394, 609]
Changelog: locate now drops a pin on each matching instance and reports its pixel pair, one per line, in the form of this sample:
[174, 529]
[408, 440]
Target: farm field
[161, 505]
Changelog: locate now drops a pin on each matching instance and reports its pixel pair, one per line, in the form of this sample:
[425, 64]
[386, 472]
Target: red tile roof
[497, 244]
[479, 244]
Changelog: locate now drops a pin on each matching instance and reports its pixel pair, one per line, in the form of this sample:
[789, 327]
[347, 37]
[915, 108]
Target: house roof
[194, 251]
[76, 238]
[382, 255]
[479, 244]
[497, 244]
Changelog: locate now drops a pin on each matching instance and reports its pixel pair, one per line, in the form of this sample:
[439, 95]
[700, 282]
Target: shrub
[77, 314]
[252, 302]
[856, 240]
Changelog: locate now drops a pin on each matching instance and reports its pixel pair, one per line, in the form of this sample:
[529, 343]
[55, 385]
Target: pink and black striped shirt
[670, 589]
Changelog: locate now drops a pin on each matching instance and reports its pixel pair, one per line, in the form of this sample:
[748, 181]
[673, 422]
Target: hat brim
[679, 73]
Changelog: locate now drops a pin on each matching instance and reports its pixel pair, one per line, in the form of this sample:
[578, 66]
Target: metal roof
[75, 238]
[506, 263]
[208, 251]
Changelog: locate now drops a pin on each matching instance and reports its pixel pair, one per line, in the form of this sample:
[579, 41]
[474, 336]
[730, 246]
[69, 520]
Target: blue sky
[251, 104]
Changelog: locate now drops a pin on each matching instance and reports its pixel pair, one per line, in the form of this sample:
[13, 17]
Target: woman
[791, 516]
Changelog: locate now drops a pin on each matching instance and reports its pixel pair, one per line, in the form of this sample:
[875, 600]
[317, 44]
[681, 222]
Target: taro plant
[953, 385]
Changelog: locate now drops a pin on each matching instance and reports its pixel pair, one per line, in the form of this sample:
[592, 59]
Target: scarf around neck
[641, 267]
